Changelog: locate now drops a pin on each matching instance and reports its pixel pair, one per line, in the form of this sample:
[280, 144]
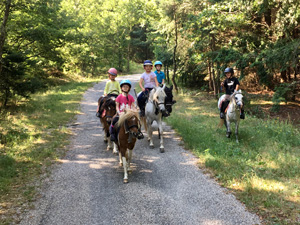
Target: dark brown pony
[129, 125]
[108, 110]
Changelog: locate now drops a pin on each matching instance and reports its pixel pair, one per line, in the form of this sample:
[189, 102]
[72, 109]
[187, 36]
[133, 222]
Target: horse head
[131, 121]
[110, 109]
[237, 98]
[159, 97]
[169, 98]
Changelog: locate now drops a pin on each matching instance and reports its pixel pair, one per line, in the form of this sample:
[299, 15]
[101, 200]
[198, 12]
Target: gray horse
[233, 112]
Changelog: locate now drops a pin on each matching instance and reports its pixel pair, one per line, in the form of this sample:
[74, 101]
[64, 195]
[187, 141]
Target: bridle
[128, 129]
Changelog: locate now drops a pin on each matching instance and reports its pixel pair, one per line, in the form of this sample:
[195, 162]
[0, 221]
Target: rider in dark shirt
[230, 84]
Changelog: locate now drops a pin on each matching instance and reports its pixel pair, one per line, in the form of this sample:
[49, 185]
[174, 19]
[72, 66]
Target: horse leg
[105, 137]
[145, 123]
[160, 132]
[120, 159]
[237, 131]
[228, 133]
[150, 139]
[129, 159]
[109, 144]
[125, 179]
[115, 150]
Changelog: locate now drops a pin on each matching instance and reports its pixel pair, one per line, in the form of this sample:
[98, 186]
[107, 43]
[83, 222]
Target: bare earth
[164, 188]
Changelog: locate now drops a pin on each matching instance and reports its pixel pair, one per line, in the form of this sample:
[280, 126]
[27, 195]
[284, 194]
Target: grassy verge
[263, 170]
[32, 138]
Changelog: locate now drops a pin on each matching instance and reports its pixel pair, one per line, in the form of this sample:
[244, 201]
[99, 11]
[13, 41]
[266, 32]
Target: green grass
[32, 138]
[263, 170]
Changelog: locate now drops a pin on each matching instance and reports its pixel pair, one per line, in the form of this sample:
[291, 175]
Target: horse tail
[221, 123]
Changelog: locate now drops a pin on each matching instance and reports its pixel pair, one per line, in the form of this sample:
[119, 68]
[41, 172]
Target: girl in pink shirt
[123, 101]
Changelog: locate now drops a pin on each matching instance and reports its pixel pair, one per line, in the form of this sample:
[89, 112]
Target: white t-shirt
[149, 79]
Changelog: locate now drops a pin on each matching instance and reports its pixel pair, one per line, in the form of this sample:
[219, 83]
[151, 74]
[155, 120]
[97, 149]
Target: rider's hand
[143, 89]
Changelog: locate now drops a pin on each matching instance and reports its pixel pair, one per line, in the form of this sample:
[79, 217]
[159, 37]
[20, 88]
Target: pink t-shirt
[149, 79]
[124, 102]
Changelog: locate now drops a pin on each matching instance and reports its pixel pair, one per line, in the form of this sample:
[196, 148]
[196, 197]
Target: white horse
[233, 112]
[154, 109]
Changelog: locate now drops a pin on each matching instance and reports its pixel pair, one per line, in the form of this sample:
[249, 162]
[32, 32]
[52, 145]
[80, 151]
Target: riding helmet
[229, 70]
[125, 82]
[112, 71]
[148, 62]
[158, 63]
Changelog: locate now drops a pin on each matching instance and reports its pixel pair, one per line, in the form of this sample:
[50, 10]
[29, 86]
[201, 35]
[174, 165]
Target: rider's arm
[106, 89]
[118, 107]
[141, 84]
[156, 82]
[237, 87]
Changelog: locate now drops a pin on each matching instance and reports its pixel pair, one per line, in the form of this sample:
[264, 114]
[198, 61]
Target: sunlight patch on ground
[268, 185]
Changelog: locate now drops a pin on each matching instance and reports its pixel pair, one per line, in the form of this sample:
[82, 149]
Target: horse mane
[158, 93]
[128, 114]
[110, 102]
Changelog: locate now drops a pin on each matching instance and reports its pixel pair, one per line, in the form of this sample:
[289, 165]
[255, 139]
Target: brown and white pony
[129, 126]
[108, 110]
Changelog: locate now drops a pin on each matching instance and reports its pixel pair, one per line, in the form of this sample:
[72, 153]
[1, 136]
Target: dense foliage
[194, 39]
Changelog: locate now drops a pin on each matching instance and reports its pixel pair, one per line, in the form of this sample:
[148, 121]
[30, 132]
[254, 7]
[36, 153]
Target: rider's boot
[242, 115]
[112, 133]
[98, 114]
[222, 115]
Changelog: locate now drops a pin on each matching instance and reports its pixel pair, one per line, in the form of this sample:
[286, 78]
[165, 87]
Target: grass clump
[263, 169]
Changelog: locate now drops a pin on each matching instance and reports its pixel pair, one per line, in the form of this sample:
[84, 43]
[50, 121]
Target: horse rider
[123, 101]
[231, 84]
[112, 89]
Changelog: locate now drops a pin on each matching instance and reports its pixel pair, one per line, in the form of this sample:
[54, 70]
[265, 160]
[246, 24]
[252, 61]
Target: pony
[129, 126]
[108, 110]
[154, 110]
[232, 114]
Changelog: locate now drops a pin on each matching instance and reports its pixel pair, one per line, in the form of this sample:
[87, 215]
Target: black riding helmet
[229, 70]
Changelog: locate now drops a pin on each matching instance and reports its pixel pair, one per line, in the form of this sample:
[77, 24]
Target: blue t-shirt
[160, 76]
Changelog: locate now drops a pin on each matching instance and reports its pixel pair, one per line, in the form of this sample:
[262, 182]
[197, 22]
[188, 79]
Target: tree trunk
[3, 32]
[210, 86]
[214, 79]
[174, 52]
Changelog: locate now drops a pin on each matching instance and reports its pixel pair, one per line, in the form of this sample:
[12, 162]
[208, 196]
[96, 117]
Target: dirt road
[164, 188]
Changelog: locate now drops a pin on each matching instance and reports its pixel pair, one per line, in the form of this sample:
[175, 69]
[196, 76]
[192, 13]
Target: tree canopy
[197, 40]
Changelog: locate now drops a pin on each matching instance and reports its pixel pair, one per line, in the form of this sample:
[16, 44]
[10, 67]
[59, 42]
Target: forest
[195, 40]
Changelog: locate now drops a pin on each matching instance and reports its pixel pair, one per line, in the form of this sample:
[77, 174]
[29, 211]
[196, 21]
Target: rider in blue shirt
[159, 74]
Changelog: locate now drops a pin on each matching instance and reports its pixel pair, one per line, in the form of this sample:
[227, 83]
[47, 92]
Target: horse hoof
[120, 164]
[105, 141]
[151, 146]
[125, 181]
[115, 152]
[162, 150]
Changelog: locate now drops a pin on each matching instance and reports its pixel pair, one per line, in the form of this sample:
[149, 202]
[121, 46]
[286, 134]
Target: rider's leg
[141, 103]
[222, 110]
[112, 129]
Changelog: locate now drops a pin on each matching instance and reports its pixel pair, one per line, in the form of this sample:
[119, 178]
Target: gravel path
[164, 188]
